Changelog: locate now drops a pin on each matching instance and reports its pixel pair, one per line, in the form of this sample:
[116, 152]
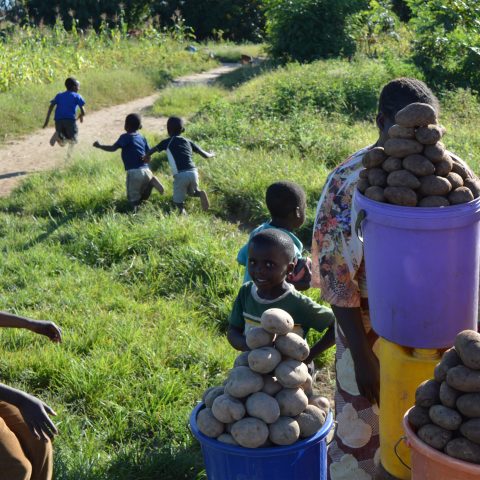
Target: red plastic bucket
[431, 464]
[305, 460]
[422, 267]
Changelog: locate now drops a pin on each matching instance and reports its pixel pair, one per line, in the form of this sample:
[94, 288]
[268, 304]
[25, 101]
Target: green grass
[143, 299]
[231, 53]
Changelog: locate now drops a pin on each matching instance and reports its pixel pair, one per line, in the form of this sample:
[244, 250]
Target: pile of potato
[446, 415]
[267, 399]
[413, 168]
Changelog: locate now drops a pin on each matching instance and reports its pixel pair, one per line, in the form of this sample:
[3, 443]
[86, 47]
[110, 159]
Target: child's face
[268, 267]
[76, 87]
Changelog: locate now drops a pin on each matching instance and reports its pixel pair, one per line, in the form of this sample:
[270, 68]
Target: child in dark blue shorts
[140, 179]
[65, 105]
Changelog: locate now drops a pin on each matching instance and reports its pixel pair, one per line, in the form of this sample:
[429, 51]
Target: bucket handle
[335, 426]
[395, 448]
[362, 214]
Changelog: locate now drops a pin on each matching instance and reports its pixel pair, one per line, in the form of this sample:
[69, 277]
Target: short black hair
[133, 121]
[282, 198]
[275, 238]
[70, 83]
[403, 91]
[175, 125]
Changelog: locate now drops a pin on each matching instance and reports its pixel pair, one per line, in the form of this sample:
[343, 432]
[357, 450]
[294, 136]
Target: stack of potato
[267, 398]
[413, 168]
[446, 415]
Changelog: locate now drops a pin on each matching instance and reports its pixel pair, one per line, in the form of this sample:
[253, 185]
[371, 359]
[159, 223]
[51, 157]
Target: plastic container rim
[258, 452]
[430, 452]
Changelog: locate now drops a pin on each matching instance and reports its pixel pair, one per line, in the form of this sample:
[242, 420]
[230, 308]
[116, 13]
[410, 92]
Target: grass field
[143, 299]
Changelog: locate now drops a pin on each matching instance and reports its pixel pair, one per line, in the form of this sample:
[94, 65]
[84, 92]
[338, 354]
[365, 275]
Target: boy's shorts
[67, 129]
[138, 180]
[184, 183]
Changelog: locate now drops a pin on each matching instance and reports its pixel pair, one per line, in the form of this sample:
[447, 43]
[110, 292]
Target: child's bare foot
[204, 200]
[54, 139]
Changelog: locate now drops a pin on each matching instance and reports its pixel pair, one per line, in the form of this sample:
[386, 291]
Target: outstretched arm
[50, 110]
[106, 148]
[201, 152]
[42, 327]
[34, 411]
[327, 341]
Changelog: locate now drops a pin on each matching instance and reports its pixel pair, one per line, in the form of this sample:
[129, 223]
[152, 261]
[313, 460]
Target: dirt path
[33, 153]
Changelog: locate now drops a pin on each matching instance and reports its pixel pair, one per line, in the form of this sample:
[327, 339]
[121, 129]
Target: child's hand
[45, 125]
[35, 413]
[49, 329]
[80, 117]
[96, 144]
[210, 154]
[146, 159]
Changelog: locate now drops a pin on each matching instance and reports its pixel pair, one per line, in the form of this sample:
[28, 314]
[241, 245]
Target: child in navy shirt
[66, 104]
[140, 179]
[185, 174]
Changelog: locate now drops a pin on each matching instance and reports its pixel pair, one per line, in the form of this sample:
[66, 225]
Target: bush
[306, 30]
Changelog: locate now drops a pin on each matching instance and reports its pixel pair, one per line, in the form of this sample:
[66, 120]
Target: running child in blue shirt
[185, 174]
[140, 179]
[286, 202]
[66, 104]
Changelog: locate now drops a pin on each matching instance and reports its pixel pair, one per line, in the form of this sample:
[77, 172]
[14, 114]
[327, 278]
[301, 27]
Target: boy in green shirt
[271, 257]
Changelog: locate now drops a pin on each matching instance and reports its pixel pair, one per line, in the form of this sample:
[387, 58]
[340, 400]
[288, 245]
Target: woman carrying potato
[338, 270]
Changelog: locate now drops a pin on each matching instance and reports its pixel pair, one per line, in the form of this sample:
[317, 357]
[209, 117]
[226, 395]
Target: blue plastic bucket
[305, 460]
[422, 267]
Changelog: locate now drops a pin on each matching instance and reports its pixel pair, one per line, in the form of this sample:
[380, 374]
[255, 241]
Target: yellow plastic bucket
[402, 369]
[430, 464]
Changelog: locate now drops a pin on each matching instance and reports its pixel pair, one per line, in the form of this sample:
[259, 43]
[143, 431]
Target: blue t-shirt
[67, 103]
[134, 146]
[242, 256]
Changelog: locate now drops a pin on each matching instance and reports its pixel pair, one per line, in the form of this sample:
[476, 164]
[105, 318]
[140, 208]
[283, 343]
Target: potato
[375, 193]
[391, 164]
[228, 409]
[434, 436]
[449, 359]
[310, 421]
[435, 153]
[419, 165]
[263, 406]
[397, 131]
[448, 395]
[467, 346]
[362, 185]
[416, 115]
[400, 147]
[284, 431]
[463, 449]
[469, 405]
[271, 386]
[401, 196]
[418, 417]
[464, 379]
[427, 394]
[264, 359]
[460, 195]
[241, 360]
[242, 382]
[208, 424]
[321, 402]
[433, 185]
[258, 337]
[275, 320]
[250, 432]
[374, 157]
[307, 387]
[403, 178]
[455, 180]
[461, 168]
[291, 373]
[444, 166]
[293, 346]
[377, 177]
[471, 430]
[429, 135]
[292, 401]
[227, 438]
[211, 394]
[433, 201]
[363, 173]
[473, 185]
[445, 417]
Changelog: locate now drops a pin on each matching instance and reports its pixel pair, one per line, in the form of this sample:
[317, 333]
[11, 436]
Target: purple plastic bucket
[306, 459]
[422, 267]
